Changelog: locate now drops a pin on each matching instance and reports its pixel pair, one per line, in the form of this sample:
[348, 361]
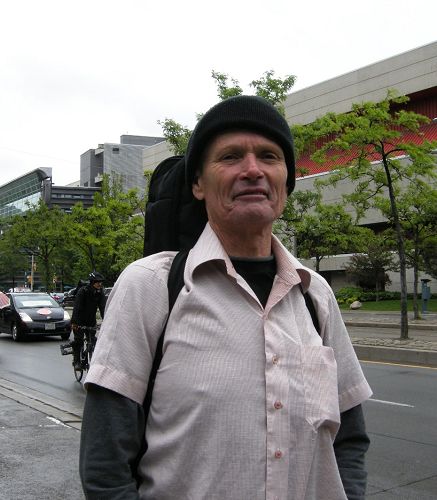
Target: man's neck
[245, 241]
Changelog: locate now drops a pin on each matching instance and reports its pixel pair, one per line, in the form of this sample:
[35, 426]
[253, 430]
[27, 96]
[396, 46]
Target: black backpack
[174, 218]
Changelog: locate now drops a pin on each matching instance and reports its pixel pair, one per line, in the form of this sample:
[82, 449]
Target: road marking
[392, 403]
[426, 367]
[56, 421]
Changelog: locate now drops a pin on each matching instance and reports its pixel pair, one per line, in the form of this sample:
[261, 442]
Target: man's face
[243, 181]
[97, 284]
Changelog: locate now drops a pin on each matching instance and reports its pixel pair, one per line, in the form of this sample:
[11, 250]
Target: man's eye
[229, 157]
[269, 155]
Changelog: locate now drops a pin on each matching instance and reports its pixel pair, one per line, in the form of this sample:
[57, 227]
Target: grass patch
[393, 305]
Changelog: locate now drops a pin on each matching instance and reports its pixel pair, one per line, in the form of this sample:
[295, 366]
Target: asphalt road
[38, 457]
[39, 365]
[401, 421]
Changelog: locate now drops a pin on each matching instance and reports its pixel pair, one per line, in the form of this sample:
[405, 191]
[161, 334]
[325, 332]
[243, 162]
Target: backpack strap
[312, 310]
[175, 284]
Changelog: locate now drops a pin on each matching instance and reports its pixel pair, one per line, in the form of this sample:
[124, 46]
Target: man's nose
[251, 167]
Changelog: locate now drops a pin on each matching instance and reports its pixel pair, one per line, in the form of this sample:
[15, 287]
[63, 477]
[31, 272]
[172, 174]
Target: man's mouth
[255, 193]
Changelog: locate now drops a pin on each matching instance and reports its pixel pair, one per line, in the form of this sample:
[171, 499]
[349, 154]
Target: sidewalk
[376, 337]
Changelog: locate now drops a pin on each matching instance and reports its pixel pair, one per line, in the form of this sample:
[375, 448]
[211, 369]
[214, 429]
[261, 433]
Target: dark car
[68, 298]
[31, 314]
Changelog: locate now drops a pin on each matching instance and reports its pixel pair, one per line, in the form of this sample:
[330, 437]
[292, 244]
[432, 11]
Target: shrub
[349, 294]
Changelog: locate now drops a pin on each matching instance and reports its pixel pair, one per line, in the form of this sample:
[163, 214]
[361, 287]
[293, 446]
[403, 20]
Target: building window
[116, 150]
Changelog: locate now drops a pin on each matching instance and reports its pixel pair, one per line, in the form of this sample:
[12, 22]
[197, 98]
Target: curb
[62, 411]
[412, 326]
[397, 356]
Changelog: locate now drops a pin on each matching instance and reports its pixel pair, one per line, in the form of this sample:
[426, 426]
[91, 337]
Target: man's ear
[197, 189]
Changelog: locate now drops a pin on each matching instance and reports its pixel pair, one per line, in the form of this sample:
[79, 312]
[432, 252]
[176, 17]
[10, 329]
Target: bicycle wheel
[78, 372]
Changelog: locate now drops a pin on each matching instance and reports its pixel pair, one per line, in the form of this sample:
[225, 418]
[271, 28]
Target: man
[88, 299]
[248, 397]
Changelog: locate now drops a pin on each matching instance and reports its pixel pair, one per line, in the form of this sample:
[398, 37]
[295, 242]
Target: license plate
[50, 326]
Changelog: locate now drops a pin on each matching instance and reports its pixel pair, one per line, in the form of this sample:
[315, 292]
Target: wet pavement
[39, 435]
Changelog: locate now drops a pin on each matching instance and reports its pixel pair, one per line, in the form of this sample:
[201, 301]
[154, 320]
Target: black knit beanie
[251, 113]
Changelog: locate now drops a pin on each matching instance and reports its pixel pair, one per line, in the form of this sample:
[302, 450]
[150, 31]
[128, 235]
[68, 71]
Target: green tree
[368, 144]
[12, 261]
[299, 203]
[176, 135]
[430, 258]
[273, 89]
[327, 231]
[110, 233]
[417, 208]
[224, 90]
[41, 232]
[369, 269]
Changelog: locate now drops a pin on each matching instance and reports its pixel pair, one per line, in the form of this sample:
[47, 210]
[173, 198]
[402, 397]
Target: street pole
[31, 274]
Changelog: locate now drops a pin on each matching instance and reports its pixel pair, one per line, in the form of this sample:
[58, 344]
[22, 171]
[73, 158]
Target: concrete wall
[126, 162]
[409, 72]
[91, 165]
[155, 154]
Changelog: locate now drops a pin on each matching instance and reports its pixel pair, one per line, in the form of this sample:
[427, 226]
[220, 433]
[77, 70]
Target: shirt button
[278, 454]
[278, 405]
[275, 359]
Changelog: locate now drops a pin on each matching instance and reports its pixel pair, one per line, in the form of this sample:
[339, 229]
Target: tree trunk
[415, 294]
[401, 253]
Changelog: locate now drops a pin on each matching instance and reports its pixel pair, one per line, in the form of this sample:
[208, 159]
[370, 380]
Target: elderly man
[250, 402]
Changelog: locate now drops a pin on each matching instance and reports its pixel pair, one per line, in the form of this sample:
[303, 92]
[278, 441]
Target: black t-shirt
[259, 274]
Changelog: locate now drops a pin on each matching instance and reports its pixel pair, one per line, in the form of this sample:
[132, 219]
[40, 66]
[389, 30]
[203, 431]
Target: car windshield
[29, 301]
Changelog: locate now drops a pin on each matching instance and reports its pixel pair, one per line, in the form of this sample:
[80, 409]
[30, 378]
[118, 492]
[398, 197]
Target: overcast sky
[78, 73]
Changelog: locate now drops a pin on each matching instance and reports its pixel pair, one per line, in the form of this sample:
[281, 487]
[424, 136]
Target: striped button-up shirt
[247, 399]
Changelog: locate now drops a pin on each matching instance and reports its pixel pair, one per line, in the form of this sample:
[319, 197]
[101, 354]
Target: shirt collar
[209, 248]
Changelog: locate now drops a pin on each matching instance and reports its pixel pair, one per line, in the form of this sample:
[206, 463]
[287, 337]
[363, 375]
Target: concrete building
[412, 73]
[17, 195]
[123, 162]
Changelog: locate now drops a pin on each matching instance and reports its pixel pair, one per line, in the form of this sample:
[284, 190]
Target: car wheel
[65, 336]
[16, 335]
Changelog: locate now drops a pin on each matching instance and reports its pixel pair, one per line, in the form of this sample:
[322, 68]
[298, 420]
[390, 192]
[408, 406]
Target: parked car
[58, 296]
[68, 298]
[31, 314]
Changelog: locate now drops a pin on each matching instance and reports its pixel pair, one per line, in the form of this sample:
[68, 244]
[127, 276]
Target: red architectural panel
[427, 132]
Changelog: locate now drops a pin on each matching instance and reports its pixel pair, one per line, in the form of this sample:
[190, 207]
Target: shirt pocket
[319, 372]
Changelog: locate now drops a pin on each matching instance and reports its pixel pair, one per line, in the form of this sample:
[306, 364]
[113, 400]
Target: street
[402, 461]
[401, 421]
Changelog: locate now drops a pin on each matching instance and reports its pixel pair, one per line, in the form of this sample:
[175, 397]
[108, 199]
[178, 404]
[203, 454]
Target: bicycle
[86, 350]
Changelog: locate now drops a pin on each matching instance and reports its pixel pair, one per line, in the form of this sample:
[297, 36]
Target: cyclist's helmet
[95, 276]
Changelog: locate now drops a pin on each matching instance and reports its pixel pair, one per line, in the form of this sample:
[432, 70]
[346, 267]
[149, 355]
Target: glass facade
[16, 196]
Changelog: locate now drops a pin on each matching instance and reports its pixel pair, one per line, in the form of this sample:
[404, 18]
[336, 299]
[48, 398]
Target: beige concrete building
[412, 73]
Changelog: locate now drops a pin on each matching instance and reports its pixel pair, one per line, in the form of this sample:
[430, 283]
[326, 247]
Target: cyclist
[88, 299]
